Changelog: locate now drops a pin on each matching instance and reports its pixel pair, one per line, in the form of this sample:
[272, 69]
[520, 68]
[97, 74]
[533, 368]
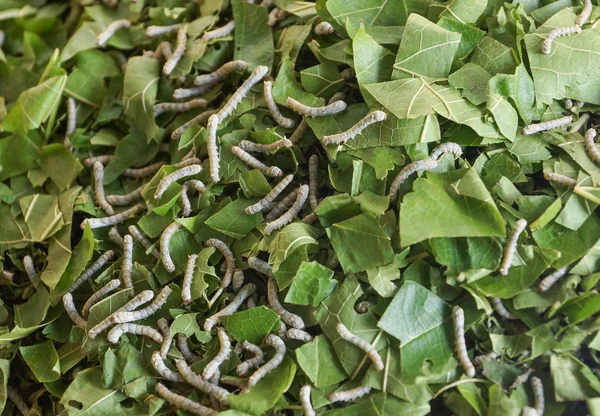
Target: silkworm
[110, 30]
[268, 199]
[141, 238]
[590, 146]
[243, 368]
[290, 214]
[156, 31]
[199, 119]
[178, 52]
[95, 267]
[307, 408]
[549, 281]
[219, 32]
[369, 349]
[347, 74]
[163, 325]
[445, 148]
[560, 179]
[371, 118]
[184, 163]
[99, 295]
[179, 107]
[161, 368]
[260, 266]
[307, 111]
[214, 159]
[72, 311]
[538, 395]
[30, 270]
[279, 118]
[256, 76]
[229, 259]
[163, 50]
[407, 171]
[282, 205]
[168, 180]
[251, 161]
[188, 277]
[125, 199]
[17, 401]
[490, 356]
[237, 281]
[252, 301]
[277, 344]
[511, 246]
[556, 33]
[184, 403]
[186, 205]
[145, 171]
[521, 378]
[529, 411]
[458, 317]
[140, 299]
[363, 307]
[127, 262]
[249, 146]
[313, 165]
[275, 16]
[299, 335]
[221, 356]
[288, 317]
[71, 118]
[349, 395]
[104, 159]
[233, 306]
[214, 391]
[502, 311]
[584, 16]
[122, 317]
[99, 189]
[299, 132]
[130, 328]
[323, 28]
[113, 219]
[546, 125]
[222, 73]
[8, 275]
[196, 184]
[185, 350]
[182, 93]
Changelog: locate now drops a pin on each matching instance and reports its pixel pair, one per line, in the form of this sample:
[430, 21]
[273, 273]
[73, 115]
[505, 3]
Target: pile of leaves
[391, 271]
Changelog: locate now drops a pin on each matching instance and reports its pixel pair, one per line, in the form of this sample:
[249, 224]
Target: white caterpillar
[546, 125]
[104, 159]
[299, 335]
[288, 317]
[299, 132]
[71, 120]
[282, 205]
[222, 73]
[113, 219]
[115, 237]
[307, 111]
[140, 299]
[237, 281]
[199, 119]
[93, 269]
[184, 403]
[260, 266]
[490, 356]
[156, 31]
[458, 317]
[179, 51]
[556, 33]
[251, 161]
[511, 246]
[219, 32]
[127, 263]
[501, 309]
[363, 307]
[277, 343]
[145, 171]
[130, 328]
[72, 311]
[187, 162]
[323, 28]
[221, 356]
[584, 15]
[163, 325]
[161, 368]
[249, 146]
[313, 166]
[549, 281]
[196, 184]
[538, 395]
[252, 301]
[256, 76]
[229, 259]
[233, 306]
[407, 171]
[291, 213]
[99, 295]
[371, 118]
[99, 189]
[185, 350]
[305, 401]
[214, 159]
[110, 30]
[560, 179]
[179, 107]
[125, 199]
[369, 349]
[521, 378]
[219, 393]
[141, 238]
[182, 93]
[279, 118]
[529, 411]
[445, 148]
[31, 273]
[188, 277]
[244, 368]
[268, 199]
[168, 180]
[349, 395]
[186, 205]
[590, 146]
[122, 317]
[163, 50]
[275, 16]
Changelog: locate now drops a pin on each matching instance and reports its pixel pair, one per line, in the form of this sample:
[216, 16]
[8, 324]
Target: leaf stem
[458, 382]
[585, 194]
[355, 374]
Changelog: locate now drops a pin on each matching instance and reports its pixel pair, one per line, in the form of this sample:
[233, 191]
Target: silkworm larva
[161, 368]
[229, 259]
[72, 311]
[99, 189]
[244, 368]
[168, 180]
[363, 307]
[184, 403]
[313, 165]
[299, 132]
[125, 199]
[199, 119]
[349, 395]
[549, 281]
[198, 382]
[127, 262]
[371, 118]
[196, 184]
[404, 174]
[178, 52]
[130, 328]
[185, 350]
[305, 399]
[249, 146]
[182, 93]
[95, 267]
[104, 159]
[71, 118]
[214, 159]
[310, 218]
[568, 104]
[511, 246]
[282, 206]
[188, 277]
[268, 199]
[502, 311]
[521, 378]
[277, 343]
[17, 401]
[253, 162]
[260, 266]
[348, 74]
[99, 295]
[163, 50]
[156, 31]
[590, 146]
[556, 33]
[167, 339]
[221, 356]
[290, 214]
[288, 317]
[113, 219]
[256, 76]
[560, 179]
[184, 199]
[538, 395]
[237, 281]
[546, 125]
[179, 107]
[458, 317]
[8, 275]
[222, 73]
[165, 239]
[233, 306]
[141, 238]
[122, 317]
[252, 301]
[529, 411]
[584, 15]
[145, 171]
[299, 335]
[140, 299]
[279, 118]
[219, 32]
[31, 273]
[323, 28]
[110, 30]
[307, 111]
[275, 16]
[369, 349]
[490, 356]
[234, 381]
[444, 148]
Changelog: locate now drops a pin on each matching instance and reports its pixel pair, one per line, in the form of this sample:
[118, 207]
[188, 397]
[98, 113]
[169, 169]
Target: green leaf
[291, 238]
[252, 324]
[82, 253]
[59, 165]
[319, 362]
[42, 360]
[311, 285]
[381, 279]
[473, 81]
[464, 11]
[505, 115]
[139, 92]
[253, 37]
[494, 56]
[18, 154]
[233, 221]
[381, 404]
[374, 13]
[572, 380]
[42, 215]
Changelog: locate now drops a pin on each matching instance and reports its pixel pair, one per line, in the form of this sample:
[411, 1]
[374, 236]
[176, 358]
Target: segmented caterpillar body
[199, 119]
[104, 159]
[260, 266]
[131, 328]
[186, 205]
[113, 219]
[560, 179]
[127, 262]
[349, 395]
[125, 199]
[184, 403]
[291, 213]
[590, 145]
[163, 50]
[211, 145]
[179, 107]
[549, 281]
[185, 350]
[511, 246]
[99, 189]
[229, 259]
[165, 240]
[221, 356]
[521, 378]
[249, 146]
[178, 52]
[161, 368]
[30, 271]
[407, 171]
[584, 15]
[279, 118]
[363, 307]
[313, 166]
[546, 125]
[538, 395]
[93, 269]
[256, 76]
[198, 382]
[502, 311]
[305, 401]
[238, 280]
[323, 28]
[268, 199]
[72, 311]
[141, 238]
[244, 367]
[371, 118]
[168, 180]
[289, 318]
[369, 349]
[163, 325]
[71, 119]
[529, 411]
[458, 317]
[188, 276]
[156, 31]
[251, 161]
[445, 148]
[282, 205]
[307, 111]
[277, 343]
[122, 317]
[110, 30]
[299, 132]
[490, 356]
[140, 299]
[275, 16]
[299, 335]
[233, 306]
[99, 295]
[219, 32]
[183, 93]
[222, 73]
[145, 171]
[556, 33]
